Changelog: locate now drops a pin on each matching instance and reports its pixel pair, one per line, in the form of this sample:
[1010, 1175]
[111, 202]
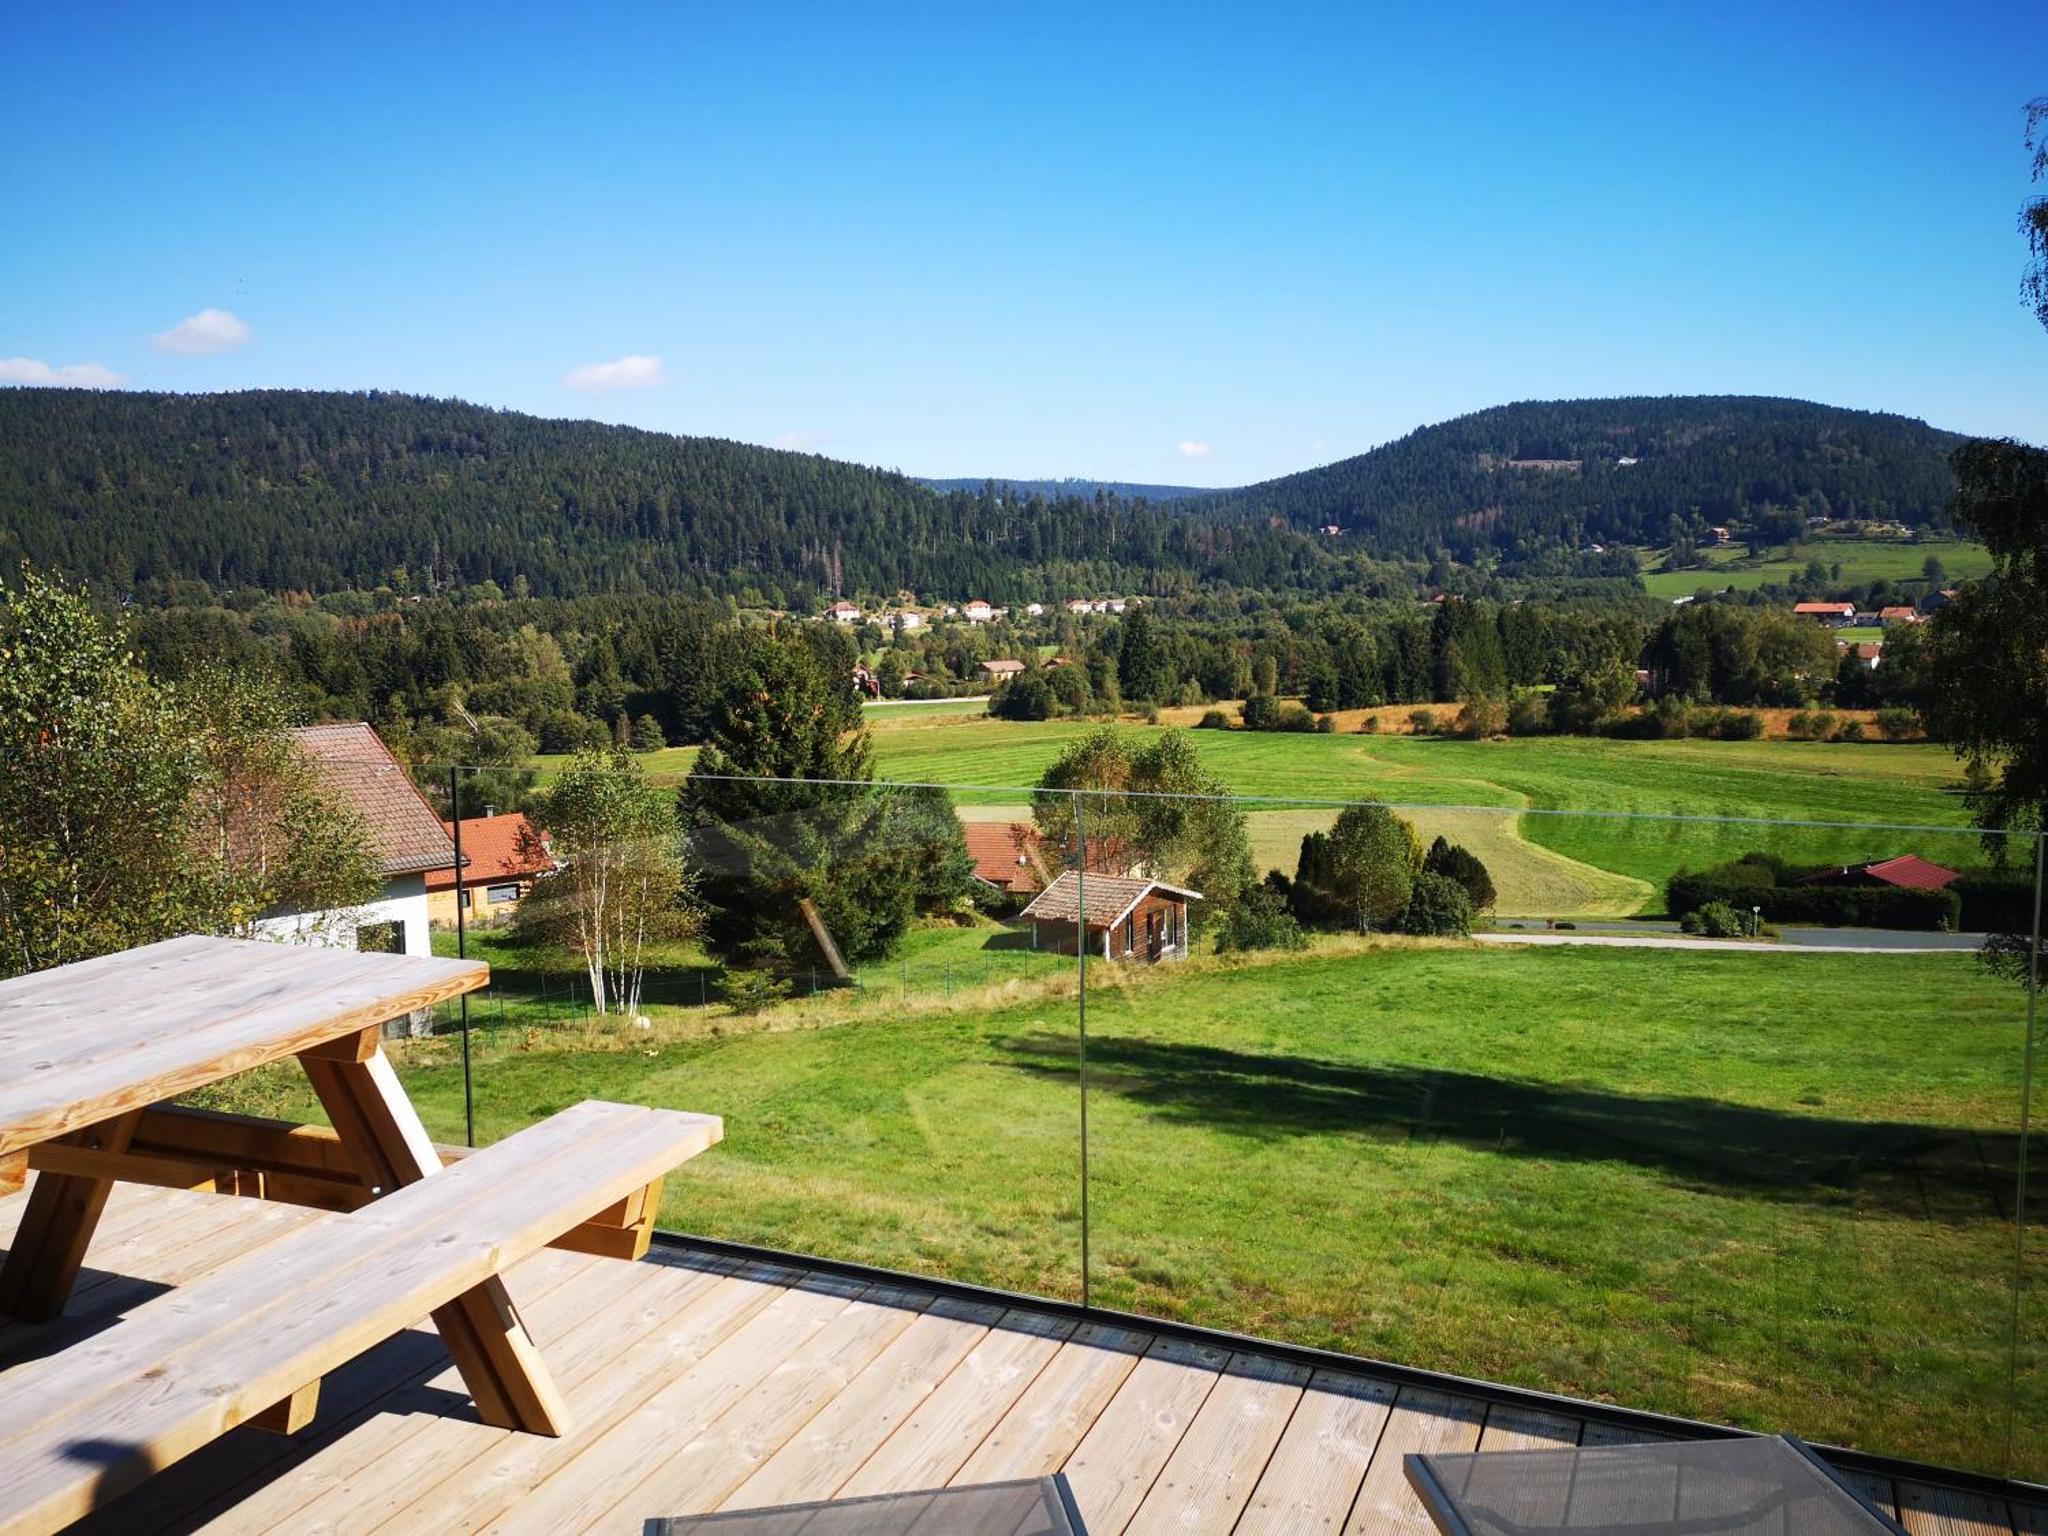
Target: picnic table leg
[481, 1328]
[49, 1245]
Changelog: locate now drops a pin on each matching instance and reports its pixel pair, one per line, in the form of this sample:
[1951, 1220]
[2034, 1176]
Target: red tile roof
[1834, 608]
[1909, 869]
[1905, 611]
[495, 848]
[357, 770]
[1009, 855]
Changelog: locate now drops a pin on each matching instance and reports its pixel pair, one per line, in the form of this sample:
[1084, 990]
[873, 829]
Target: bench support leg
[481, 1328]
[49, 1245]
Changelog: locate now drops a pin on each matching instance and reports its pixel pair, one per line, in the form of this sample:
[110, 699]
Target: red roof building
[1907, 870]
[1838, 611]
[1008, 855]
[502, 856]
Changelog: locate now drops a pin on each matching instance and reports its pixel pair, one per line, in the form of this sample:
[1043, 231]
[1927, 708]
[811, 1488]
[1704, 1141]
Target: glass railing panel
[830, 975]
[1762, 1174]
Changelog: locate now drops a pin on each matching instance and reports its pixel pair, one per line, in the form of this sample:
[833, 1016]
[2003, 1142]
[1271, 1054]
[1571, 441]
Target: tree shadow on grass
[1935, 1173]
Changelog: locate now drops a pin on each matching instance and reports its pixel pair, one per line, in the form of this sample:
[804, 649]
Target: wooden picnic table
[92, 1058]
[91, 1052]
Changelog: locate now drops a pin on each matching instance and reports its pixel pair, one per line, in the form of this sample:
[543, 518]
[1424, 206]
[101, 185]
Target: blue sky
[1182, 243]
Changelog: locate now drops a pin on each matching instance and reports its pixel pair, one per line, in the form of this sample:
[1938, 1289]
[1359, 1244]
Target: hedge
[1996, 903]
[1835, 906]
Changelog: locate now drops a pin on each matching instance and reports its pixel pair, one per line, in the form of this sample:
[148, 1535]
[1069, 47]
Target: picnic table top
[82, 1043]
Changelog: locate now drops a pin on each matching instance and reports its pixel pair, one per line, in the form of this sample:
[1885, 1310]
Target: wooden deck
[701, 1383]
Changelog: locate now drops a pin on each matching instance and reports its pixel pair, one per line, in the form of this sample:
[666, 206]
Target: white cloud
[797, 442]
[203, 334]
[31, 370]
[1193, 450]
[633, 371]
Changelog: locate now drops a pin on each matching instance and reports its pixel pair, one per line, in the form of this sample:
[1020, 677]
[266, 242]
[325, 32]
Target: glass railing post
[1081, 1020]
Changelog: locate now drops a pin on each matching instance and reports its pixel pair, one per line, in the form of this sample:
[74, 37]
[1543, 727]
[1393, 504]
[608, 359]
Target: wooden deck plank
[1132, 1439]
[930, 1446]
[1319, 1465]
[704, 1471]
[1421, 1421]
[1876, 1489]
[1039, 1433]
[828, 1450]
[1926, 1510]
[1209, 1478]
[625, 1354]
[580, 1487]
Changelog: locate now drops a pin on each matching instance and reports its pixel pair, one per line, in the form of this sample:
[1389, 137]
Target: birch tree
[621, 887]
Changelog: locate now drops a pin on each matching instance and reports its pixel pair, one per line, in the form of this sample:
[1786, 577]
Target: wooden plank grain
[128, 1031]
[1422, 1421]
[1209, 1479]
[1040, 1431]
[930, 1446]
[1131, 1441]
[1927, 1510]
[701, 1473]
[577, 1493]
[829, 1449]
[1319, 1465]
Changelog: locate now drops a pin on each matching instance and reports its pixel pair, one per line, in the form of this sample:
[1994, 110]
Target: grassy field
[1767, 1189]
[1500, 796]
[1862, 560]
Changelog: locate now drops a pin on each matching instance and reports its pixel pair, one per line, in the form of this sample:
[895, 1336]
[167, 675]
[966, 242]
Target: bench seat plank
[78, 1427]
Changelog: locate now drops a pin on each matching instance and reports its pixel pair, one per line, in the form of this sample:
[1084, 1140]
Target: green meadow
[1524, 805]
[1861, 560]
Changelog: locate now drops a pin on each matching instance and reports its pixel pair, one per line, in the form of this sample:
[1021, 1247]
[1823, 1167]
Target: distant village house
[356, 771]
[1127, 918]
[501, 858]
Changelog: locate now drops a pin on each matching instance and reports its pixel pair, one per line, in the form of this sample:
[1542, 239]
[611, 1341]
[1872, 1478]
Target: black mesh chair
[1042, 1506]
[1744, 1487]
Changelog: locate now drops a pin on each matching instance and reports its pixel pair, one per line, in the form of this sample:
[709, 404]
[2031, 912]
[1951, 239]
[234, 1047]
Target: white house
[1034, 609]
[909, 619]
[1077, 605]
[843, 612]
[404, 833]
[976, 611]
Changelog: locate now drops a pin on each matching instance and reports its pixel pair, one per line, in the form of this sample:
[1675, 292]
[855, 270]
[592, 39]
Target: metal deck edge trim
[1491, 1392]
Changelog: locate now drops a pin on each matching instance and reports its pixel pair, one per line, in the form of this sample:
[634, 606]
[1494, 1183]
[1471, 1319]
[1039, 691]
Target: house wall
[1128, 939]
[480, 909]
[403, 900]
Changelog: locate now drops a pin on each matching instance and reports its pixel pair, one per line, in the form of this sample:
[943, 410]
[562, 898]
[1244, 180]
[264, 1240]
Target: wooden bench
[251, 1340]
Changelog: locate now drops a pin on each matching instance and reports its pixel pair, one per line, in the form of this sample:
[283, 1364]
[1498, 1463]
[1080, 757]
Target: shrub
[1259, 919]
[1480, 718]
[1369, 726]
[1758, 880]
[1261, 712]
[1728, 724]
[1718, 920]
[1025, 697]
[1897, 723]
[1811, 725]
[1437, 908]
[1422, 721]
[1293, 717]
[749, 992]
[1326, 724]
[1529, 714]
[1851, 730]
[1213, 720]
[1455, 862]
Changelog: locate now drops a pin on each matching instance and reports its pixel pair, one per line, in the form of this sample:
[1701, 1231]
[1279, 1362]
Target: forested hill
[1129, 490]
[321, 492]
[1611, 472]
